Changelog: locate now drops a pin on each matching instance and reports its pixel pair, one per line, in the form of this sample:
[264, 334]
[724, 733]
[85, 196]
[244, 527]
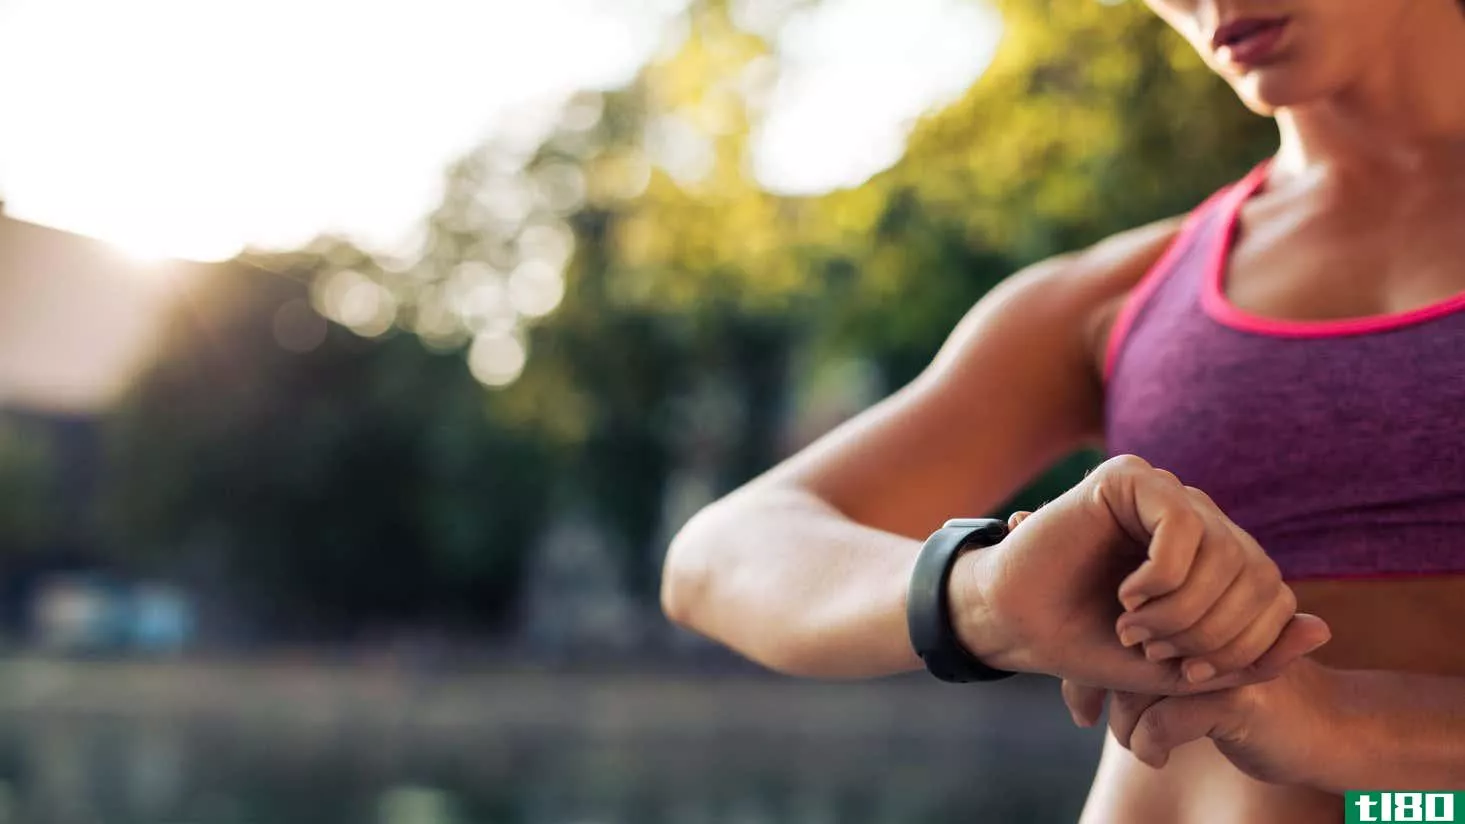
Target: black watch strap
[928, 610]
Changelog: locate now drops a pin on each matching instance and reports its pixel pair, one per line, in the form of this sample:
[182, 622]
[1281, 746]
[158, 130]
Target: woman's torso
[1356, 472]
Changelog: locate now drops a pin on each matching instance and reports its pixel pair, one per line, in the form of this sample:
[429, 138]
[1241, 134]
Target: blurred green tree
[341, 483]
[29, 516]
[608, 274]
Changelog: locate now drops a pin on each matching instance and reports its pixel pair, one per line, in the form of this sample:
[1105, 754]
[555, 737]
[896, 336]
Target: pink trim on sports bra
[1220, 309]
[1140, 294]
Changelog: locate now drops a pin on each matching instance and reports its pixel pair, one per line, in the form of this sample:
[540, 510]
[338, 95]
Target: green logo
[1398, 806]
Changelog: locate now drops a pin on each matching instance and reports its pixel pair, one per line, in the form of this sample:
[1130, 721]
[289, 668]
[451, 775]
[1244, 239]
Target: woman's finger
[1250, 616]
[1154, 509]
[1233, 613]
[1243, 624]
[1258, 635]
[1085, 704]
[1217, 566]
[1125, 711]
[1156, 730]
[1303, 635]
[1172, 564]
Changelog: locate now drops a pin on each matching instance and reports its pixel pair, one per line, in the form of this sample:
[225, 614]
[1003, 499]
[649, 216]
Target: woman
[1295, 348]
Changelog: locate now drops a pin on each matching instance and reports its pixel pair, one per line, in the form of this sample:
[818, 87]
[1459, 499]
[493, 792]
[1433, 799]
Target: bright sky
[189, 129]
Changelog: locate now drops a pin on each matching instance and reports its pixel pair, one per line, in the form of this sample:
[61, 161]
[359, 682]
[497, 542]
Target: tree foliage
[610, 273]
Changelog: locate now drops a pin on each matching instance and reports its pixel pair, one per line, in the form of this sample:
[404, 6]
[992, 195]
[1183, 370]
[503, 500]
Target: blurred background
[358, 361]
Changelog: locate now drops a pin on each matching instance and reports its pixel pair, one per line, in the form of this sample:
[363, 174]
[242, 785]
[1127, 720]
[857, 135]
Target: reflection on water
[175, 770]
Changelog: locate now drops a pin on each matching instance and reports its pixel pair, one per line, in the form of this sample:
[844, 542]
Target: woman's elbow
[680, 591]
[706, 588]
[684, 576]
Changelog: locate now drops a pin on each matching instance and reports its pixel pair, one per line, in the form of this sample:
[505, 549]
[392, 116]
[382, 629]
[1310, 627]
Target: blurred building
[78, 320]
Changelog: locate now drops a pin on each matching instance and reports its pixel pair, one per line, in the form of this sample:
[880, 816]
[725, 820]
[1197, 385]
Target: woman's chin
[1265, 93]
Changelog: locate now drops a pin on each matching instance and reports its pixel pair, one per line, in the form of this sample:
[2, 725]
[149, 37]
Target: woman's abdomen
[1392, 624]
[1197, 786]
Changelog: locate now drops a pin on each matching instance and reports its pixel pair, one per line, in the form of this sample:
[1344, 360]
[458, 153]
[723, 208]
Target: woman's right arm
[805, 568]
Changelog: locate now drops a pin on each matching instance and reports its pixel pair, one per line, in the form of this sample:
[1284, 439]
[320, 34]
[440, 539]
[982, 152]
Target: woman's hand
[1129, 551]
[1215, 616]
[1274, 732]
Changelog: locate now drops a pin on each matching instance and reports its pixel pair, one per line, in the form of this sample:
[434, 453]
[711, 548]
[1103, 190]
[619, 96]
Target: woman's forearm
[1396, 730]
[785, 579]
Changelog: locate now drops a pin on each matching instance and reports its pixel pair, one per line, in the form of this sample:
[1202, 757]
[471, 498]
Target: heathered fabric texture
[1342, 453]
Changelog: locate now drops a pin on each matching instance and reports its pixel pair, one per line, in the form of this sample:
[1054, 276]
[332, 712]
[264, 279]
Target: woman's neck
[1405, 116]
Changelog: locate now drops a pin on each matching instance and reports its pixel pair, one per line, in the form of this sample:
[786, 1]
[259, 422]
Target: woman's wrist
[979, 627]
[1393, 730]
[1306, 702]
[1373, 729]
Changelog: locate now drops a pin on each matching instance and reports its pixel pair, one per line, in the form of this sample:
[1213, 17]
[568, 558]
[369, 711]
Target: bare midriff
[1388, 625]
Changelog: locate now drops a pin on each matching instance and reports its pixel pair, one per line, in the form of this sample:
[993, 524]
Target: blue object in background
[89, 613]
[160, 620]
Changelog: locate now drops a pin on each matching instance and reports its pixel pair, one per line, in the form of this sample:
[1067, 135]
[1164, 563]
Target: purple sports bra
[1338, 445]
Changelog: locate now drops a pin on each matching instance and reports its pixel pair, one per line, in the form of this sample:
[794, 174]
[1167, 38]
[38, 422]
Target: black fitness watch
[928, 609]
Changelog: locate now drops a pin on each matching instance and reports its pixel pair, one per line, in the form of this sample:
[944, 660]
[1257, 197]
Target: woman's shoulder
[1035, 334]
[1104, 275]
[1085, 290]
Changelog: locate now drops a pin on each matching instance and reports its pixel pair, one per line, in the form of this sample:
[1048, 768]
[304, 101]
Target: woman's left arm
[1333, 730]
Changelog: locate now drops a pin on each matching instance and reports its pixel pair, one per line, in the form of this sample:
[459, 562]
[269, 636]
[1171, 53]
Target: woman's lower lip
[1255, 49]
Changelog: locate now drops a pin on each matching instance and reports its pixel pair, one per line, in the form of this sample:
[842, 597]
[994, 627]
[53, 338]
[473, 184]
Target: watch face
[969, 523]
